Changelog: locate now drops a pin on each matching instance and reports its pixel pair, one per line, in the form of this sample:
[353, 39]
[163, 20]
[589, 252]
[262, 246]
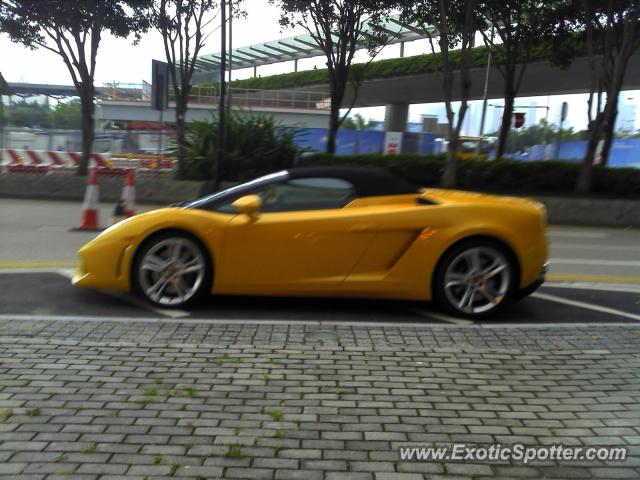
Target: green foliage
[233, 451]
[66, 115]
[558, 54]
[520, 139]
[253, 146]
[36, 115]
[27, 21]
[503, 176]
[355, 122]
[28, 114]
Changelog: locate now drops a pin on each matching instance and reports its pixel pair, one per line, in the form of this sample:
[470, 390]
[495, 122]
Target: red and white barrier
[49, 162]
[27, 157]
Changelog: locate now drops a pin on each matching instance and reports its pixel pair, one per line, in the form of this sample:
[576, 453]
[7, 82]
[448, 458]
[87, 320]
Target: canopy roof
[301, 46]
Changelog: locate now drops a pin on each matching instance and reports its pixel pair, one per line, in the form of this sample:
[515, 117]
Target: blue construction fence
[624, 152]
[354, 142]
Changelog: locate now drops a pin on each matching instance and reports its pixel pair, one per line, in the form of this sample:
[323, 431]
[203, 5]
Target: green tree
[66, 115]
[72, 29]
[185, 26]
[539, 134]
[612, 29]
[339, 28]
[511, 29]
[355, 122]
[448, 23]
[28, 114]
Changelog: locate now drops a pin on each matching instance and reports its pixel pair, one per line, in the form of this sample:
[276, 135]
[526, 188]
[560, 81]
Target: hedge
[500, 176]
[558, 52]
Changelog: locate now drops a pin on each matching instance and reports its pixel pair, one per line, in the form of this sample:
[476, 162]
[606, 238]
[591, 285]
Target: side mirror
[249, 205]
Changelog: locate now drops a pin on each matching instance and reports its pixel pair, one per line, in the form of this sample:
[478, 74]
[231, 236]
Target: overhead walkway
[302, 46]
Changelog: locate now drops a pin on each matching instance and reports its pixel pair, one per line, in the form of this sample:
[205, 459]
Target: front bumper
[532, 287]
[104, 265]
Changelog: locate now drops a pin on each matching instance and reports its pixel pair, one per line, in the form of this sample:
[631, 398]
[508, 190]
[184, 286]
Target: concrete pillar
[255, 71]
[295, 65]
[396, 116]
[401, 49]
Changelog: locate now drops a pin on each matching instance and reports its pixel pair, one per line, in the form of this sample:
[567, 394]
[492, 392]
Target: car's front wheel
[172, 269]
[475, 278]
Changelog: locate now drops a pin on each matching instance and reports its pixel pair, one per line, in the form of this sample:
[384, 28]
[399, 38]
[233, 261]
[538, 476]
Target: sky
[121, 61]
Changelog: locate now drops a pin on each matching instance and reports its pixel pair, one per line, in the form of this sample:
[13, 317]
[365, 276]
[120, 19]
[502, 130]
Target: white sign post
[392, 143]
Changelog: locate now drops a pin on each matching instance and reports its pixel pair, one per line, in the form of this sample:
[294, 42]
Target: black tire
[482, 288]
[140, 279]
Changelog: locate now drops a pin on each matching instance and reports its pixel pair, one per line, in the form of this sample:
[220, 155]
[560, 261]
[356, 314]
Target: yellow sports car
[328, 231]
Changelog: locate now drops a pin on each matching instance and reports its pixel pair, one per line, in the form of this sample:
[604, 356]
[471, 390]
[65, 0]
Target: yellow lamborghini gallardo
[328, 231]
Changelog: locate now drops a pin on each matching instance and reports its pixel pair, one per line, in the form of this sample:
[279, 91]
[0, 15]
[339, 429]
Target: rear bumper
[532, 287]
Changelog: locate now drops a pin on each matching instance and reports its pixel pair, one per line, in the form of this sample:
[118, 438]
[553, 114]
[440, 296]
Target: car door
[302, 241]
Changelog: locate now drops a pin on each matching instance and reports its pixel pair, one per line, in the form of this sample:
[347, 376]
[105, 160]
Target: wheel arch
[473, 238]
[164, 231]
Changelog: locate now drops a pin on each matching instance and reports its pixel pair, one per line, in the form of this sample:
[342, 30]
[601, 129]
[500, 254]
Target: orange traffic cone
[90, 213]
[129, 195]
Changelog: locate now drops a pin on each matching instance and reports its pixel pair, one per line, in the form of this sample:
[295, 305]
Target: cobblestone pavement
[170, 399]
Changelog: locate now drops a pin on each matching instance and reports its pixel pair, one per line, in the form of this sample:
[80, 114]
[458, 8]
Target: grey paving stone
[345, 405]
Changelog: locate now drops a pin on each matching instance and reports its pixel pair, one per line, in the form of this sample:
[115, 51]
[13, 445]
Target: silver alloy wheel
[477, 280]
[171, 271]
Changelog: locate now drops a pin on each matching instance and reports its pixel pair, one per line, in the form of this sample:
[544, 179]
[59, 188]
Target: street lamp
[486, 93]
[221, 105]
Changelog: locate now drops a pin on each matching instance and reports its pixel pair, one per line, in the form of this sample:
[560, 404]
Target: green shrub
[504, 176]
[253, 146]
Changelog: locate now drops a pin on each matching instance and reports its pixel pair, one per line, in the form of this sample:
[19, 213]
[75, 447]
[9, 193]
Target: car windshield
[238, 190]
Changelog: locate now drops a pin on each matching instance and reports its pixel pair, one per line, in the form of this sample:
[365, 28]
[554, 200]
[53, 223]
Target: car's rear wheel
[172, 269]
[475, 278]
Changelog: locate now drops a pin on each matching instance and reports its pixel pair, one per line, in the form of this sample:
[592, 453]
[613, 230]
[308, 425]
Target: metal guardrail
[240, 97]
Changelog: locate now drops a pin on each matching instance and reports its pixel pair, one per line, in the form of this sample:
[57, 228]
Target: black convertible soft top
[368, 181]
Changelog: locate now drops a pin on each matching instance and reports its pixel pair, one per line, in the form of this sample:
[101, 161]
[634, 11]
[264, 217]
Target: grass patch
[93, 448]
[276, 415]
[233, 451]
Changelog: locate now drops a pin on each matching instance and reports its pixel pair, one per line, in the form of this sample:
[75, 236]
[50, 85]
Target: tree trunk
[609, 128]
[337, 87]
[583, 184]
[505, 125]
[334, 124]
[449, 175]
[181, 133]
[88, 126]
[603, 127]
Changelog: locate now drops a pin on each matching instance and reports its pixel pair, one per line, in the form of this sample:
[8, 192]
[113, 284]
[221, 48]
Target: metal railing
[240, 97]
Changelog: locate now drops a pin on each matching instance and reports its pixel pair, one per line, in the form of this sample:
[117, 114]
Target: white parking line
[603, 287]
[130, 299]
[588, 261]
[585, 305]
[585, 246]
[577, 234]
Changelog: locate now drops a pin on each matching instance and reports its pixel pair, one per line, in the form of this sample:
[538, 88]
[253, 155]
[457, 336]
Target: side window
[301, 194]
[307, 194]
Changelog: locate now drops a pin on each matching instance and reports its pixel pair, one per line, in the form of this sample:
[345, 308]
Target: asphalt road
[595, 277]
